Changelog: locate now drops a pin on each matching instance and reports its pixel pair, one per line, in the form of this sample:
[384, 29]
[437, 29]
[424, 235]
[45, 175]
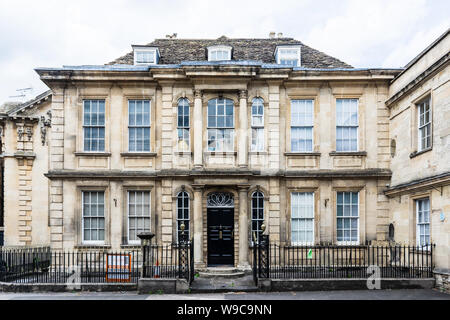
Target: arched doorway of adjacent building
[220, 228]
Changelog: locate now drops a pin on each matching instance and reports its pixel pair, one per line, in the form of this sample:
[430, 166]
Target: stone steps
[223, 279]
[222, 272]
[220, 284]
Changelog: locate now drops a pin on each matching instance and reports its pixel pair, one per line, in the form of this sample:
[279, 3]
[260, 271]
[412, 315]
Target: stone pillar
[198, 130]
[243, 130]
[274, 124]
[168, 131]
[243, 228]
[166, 212]
[198, 226]
[25, 157]
[57, 163]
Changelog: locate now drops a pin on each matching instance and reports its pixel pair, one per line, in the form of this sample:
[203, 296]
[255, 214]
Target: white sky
[52, 33]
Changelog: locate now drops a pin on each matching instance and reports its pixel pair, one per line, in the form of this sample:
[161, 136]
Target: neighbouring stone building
[419, 129]
[222, 136]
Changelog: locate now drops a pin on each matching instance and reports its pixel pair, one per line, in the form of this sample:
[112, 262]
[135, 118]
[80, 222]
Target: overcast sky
[47, 33]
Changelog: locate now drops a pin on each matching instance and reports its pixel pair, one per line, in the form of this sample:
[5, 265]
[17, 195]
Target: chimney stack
[173, 36]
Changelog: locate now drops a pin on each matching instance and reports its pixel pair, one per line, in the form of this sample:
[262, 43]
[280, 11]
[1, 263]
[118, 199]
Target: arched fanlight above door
[220, 199]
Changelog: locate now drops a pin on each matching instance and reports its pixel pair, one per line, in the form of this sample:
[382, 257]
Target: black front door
[220, 236]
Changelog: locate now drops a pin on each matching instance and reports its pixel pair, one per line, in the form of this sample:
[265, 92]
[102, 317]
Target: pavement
[223, 284]
[406, 294]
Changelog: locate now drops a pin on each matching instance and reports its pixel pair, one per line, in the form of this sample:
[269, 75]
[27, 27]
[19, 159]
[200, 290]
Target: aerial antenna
[23, 93]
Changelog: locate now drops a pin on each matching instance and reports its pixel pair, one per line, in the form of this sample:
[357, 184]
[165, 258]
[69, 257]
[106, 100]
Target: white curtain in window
[302, 218]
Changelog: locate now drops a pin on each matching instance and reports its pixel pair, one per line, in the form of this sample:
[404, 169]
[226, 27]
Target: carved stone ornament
[44, 124]
[43, 134]
[198, 94]
[29, 131]
[242, 94]
[19, 133]
[220, 199]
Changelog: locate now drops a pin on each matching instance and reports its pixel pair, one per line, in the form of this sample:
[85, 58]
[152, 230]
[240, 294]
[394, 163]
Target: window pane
[93, 208]
[183, 213]
[138, 213]
[301, 125]
[302, 215]
[346, 125]
[101, 113]
[93, 123]
[257, 139]
[220, 121]
[220, 113]
[139, 125]
[423, 221]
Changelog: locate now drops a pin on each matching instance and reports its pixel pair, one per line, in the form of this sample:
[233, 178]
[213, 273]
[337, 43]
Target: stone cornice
[174, 173]
[421, 78]
[185, 72]
[419, 185]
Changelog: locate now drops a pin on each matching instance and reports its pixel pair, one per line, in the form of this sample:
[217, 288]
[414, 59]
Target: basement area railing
[277, 261]
[44, 265]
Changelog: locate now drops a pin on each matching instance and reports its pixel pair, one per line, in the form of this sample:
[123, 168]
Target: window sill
[24, 155]
[93, 246]
[138, 154]
[216, 153]
[130, 246]
[418, 153]
[183, 153]
[92, 154]
[258, 153]
[302, 154]
[347, 243]
[348, 153]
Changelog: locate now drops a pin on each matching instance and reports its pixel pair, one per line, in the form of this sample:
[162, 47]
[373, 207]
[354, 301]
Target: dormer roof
[176, 51]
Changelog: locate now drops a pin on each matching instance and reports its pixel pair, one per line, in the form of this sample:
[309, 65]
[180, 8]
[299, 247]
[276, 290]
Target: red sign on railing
[118, 268]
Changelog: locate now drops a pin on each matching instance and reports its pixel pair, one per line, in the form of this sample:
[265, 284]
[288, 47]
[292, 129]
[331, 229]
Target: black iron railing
[169, 261]
[341, 261]
[42, 265]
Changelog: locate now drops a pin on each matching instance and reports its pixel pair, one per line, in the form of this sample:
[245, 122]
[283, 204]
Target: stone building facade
[221, 136]
[24, 137]
[419, 191]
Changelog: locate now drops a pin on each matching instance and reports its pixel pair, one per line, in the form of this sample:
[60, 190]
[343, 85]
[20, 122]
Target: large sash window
[220, 125]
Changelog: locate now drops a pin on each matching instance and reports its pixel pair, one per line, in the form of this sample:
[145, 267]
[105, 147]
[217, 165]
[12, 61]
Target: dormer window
[219, 53]
[145, 55]
[288, 55]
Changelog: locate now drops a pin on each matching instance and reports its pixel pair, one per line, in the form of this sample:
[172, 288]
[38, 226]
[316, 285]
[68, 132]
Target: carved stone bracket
[243, 94]
[29, 131]
[19, 132]
[198, 94]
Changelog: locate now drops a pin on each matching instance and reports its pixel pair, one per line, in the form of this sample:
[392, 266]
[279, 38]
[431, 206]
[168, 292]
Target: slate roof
[24, 108]
[8, 106]
[175, 51]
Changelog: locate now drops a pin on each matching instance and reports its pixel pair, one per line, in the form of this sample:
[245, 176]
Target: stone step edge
[223, 275]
